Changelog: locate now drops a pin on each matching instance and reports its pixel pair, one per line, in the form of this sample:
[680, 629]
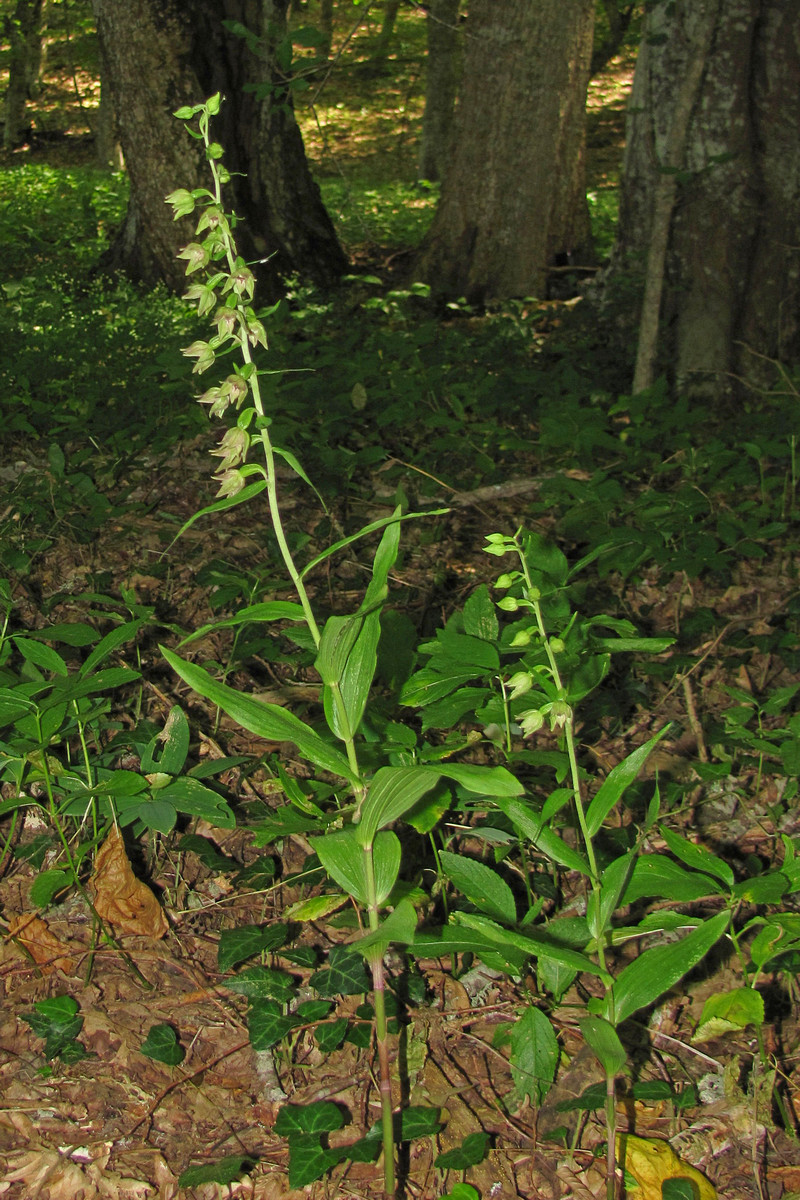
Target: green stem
[381, 1037]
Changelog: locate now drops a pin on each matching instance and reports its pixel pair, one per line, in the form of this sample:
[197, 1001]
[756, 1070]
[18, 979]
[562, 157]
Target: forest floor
[120, 1124]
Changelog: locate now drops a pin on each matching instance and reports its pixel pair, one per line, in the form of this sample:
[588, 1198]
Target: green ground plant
[510, 682]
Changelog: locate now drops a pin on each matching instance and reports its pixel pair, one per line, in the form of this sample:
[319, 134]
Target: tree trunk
[25, 38]
[162, 54]
[513, 197]
[441, 84]
[383, 41]
[731, 279]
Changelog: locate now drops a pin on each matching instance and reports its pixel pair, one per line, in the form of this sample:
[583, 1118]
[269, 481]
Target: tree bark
[25, 38]
[441, 84]
[731, 280]
[162, 54]
[513, 197]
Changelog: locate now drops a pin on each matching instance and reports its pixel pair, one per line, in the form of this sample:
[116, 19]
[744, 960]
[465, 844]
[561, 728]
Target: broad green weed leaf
[43, 657]
[193, 797]
[657, 970]
[617, 782]
[728, 1012]
[249, 492]
[481, 885]
[206, 852]
[655, 875]
[227, 1171]
[451, 940]
[314, 1010]
[462, 1191]
[472, 1151]
[154, 813]
[268, 721]
[612, 884]
[68, 633]
[48, 884]
[162, 1045]
[480, 615]
[392, 792]
[112, 641]
[167, 751]
[534, 1055]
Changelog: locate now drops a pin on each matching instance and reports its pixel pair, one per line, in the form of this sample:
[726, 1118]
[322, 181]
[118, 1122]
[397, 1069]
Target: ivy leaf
[309, 1159]
[472, 1151]
[322, 1116]
[262, 983]
[162, 1045]
[236, 945]
[226, 1171]
[267, 1024]
[345, 975]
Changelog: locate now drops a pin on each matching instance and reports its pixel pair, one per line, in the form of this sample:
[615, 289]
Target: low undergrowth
[501, 792]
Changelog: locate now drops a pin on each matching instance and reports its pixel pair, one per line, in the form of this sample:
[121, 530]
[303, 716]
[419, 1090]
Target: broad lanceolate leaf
[697, 857]
[655, 875]
[529, 826]
[602, 907]
[268, 721]
[534, 1055]
[604, 1041]
[397, 929]
[657, 970]
[483, 781]
[533, 944]
[348, 652]
[481, 885]
[617, 782]
[345, 860]
[393, 792]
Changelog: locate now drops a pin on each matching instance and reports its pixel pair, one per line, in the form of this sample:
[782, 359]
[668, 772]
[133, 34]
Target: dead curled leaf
[44, 947]
[650, 1161]
[122, 899]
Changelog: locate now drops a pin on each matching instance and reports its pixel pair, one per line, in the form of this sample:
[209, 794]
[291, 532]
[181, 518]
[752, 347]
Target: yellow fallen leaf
[651, 1161]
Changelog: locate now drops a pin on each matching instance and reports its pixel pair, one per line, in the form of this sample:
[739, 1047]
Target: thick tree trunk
[441, 83]
[731, 279]
[162, 54]
[25, 39]
[513, 197]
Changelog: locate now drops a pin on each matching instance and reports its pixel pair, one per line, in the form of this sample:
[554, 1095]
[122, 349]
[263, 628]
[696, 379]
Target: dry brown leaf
[41, 943]
[47, 1169]
[122, 899]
